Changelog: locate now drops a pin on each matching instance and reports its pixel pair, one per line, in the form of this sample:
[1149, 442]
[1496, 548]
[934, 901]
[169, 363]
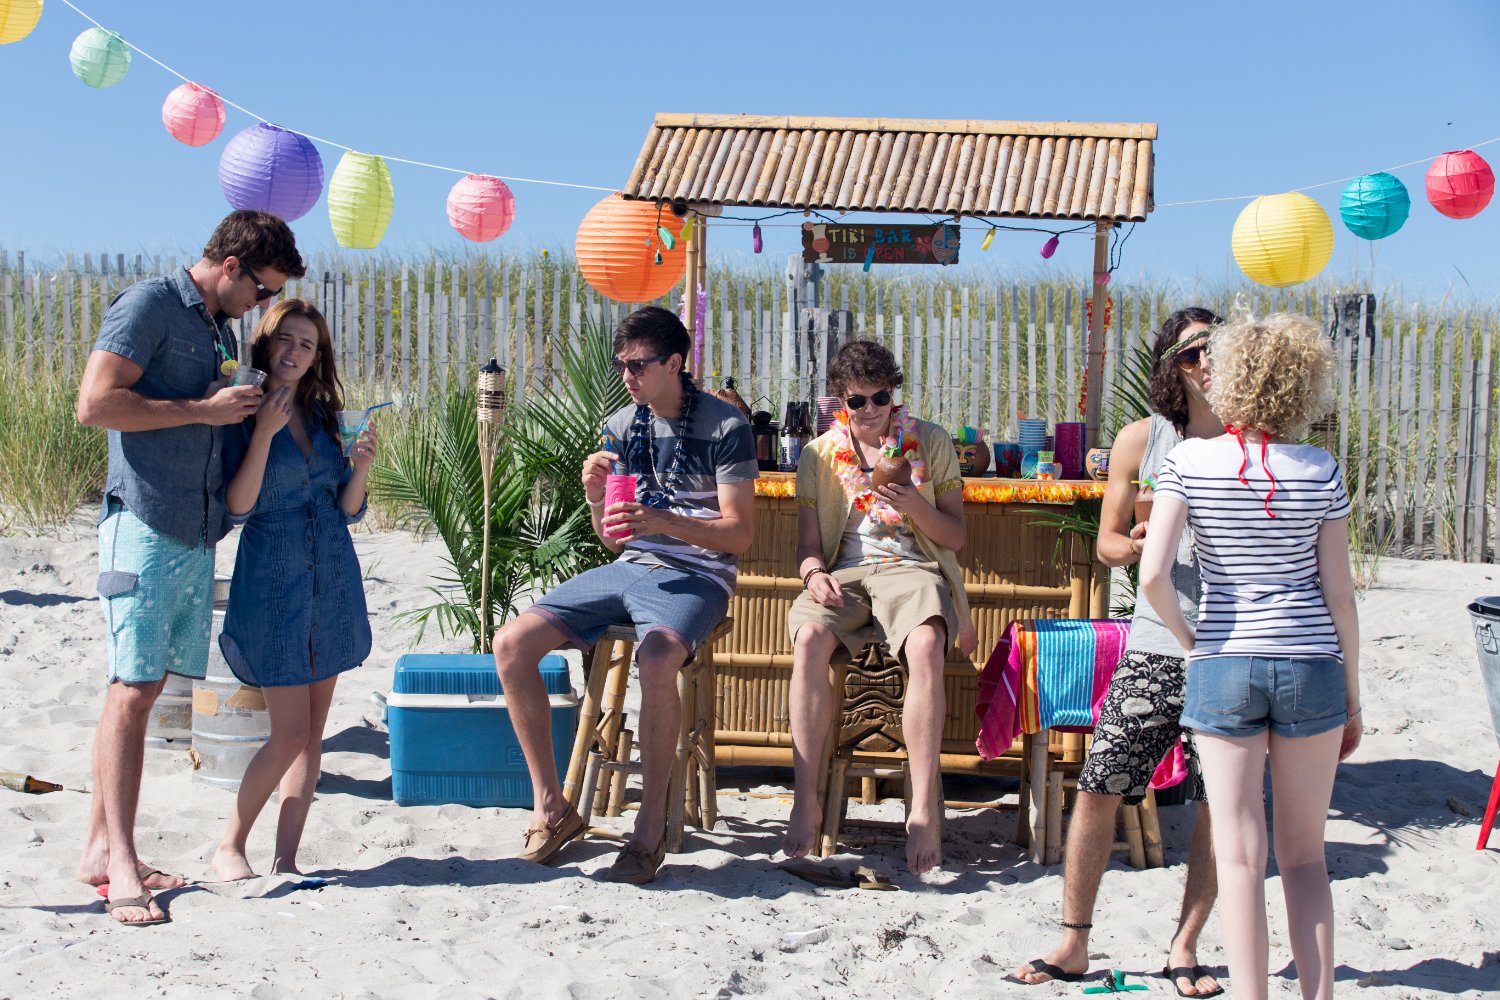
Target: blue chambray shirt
[172, 479]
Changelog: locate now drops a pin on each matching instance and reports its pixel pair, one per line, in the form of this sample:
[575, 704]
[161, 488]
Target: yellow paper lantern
[360, 200]
[1282, 239]
[18, 18]
[618, 245]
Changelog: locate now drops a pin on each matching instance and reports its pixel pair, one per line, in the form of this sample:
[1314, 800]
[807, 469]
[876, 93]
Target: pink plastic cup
[618, 489]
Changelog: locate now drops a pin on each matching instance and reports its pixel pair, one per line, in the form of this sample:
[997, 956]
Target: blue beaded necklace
[654, 489]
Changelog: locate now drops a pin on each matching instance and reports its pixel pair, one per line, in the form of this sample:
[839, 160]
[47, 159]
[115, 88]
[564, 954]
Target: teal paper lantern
[1374, 206]
[100, 58]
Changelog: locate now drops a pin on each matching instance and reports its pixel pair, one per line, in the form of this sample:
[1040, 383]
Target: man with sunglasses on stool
[1139, 717]
[154, 382]
[693, 457]
[877, 563]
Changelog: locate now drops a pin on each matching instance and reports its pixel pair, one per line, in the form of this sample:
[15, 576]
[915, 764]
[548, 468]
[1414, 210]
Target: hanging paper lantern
[100, 58]
[193, 114]
[481, 208]
[269, 168]
[17, 18]
[360, 199]
[618, 244]
[1282, 239]
[1374, 206]
[1460, 184]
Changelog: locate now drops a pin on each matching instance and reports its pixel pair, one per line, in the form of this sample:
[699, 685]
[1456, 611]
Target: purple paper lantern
[268, 168]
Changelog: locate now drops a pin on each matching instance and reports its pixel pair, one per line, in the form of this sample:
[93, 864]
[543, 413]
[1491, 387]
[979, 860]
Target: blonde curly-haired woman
[1273, 665]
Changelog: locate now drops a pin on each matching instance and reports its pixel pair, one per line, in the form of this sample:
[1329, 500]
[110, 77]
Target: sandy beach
[426, 901]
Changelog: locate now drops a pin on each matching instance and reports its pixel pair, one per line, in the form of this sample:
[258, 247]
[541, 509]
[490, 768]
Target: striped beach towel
[1046, 673]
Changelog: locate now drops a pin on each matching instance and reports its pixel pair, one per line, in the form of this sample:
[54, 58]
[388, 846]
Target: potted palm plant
[540, 531]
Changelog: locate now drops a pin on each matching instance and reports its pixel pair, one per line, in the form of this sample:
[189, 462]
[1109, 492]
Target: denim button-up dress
[297, 605]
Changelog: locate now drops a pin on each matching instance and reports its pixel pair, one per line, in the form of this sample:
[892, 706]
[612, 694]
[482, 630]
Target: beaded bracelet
[812, 573]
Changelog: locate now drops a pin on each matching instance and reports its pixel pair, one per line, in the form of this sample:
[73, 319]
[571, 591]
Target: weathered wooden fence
[1414, 427]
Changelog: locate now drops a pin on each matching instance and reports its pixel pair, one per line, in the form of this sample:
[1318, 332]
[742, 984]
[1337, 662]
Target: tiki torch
[491, 414]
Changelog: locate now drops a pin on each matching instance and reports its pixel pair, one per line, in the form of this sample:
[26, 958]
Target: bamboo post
[491, 411]
[1096, 334]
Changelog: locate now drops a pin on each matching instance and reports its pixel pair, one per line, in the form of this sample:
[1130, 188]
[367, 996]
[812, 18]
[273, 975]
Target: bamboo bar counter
[1013, 568]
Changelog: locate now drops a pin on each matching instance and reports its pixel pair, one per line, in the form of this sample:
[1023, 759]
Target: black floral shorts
[1138, 723]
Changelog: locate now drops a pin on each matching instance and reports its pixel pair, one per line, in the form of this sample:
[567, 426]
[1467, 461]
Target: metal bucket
[1485, 613]
[170, 725]
[230, 721]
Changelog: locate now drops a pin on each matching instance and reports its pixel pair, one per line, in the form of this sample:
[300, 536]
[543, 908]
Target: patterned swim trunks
[1139, 721]
[157, 595]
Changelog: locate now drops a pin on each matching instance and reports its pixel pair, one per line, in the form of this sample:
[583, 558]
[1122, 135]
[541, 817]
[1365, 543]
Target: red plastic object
[1460, 184]
[1489, 813]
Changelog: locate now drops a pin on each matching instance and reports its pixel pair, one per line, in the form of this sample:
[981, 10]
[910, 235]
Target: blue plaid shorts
[654, 598]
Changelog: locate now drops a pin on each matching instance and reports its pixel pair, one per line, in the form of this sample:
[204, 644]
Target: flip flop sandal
[1048, 969]
[824, 876]
[143, 901]
[869, 878]
[1191, 973]
[145, 871]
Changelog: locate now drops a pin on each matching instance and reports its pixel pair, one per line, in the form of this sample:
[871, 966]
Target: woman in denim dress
[296, 616]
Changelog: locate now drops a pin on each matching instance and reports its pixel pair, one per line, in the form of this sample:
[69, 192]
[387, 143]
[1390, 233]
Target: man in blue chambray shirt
[153, 381]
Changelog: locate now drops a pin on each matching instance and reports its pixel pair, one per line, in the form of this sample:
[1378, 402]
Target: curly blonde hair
[1274, 374]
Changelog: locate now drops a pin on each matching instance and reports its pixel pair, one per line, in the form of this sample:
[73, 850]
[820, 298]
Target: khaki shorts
[882, 603]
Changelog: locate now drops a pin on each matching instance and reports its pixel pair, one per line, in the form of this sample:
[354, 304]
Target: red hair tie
[1238, 434]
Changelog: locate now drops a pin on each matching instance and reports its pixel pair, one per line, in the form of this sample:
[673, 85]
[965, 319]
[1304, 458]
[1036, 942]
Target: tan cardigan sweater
[818, 486]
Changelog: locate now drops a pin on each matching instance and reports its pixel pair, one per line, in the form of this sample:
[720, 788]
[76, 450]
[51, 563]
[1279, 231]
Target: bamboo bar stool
[602, 748]
[1054, 759]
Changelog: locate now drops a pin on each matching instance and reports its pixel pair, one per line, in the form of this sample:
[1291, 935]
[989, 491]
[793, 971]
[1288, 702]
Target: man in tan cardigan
[877, 564]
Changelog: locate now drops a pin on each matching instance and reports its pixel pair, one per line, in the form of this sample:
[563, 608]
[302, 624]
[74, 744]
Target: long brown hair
[320, 393]
[1165, 391]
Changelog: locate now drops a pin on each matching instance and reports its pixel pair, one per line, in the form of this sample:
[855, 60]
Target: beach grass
[50, 464]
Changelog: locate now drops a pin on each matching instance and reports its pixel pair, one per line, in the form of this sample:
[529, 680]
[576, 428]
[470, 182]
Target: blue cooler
[451, 734]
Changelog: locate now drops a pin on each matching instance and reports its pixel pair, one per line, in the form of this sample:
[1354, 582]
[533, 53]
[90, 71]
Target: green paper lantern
[100, 58]
[1374, 206]
[360, 199]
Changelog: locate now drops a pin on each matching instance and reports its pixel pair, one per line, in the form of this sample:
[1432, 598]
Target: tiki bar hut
[1015, 567]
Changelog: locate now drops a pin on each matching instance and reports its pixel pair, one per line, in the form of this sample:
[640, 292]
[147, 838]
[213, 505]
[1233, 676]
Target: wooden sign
[880, 244]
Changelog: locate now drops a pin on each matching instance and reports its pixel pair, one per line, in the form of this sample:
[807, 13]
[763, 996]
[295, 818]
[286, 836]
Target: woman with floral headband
[877, 563]
[1273, 662]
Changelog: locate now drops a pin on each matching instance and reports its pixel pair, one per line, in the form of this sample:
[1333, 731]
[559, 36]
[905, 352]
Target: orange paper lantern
[618, 245]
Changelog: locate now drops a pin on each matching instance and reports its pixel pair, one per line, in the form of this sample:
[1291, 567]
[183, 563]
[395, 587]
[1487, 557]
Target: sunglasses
[637, 366]
[1191, 357]
[881, 398]
[261, 291]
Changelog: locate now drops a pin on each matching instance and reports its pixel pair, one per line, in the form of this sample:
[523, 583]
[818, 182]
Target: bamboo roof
[1021, 170]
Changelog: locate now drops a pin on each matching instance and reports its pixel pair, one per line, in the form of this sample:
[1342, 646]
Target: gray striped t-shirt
[720, 449]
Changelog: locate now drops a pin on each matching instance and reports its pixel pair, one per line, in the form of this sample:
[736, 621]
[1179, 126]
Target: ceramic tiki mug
[1096, 464]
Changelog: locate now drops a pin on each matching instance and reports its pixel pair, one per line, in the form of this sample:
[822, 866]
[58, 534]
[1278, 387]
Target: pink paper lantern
[193, 115]
[481, 208]
[1460, 184]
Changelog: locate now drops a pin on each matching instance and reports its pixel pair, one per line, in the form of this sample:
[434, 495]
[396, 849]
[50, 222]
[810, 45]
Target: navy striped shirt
[719, 449]
[1261, 594]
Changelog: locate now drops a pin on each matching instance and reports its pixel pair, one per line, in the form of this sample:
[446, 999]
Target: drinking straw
[364, 421]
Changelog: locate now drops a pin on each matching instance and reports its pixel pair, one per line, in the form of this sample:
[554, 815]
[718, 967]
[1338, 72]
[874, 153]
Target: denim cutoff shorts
[1239, 696]
[654, 598]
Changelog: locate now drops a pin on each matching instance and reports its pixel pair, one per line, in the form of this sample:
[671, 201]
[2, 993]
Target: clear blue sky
[1251, 99]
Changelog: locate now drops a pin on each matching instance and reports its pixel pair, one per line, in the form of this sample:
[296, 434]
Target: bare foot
[1183, 957]
[280, 867]
[800, 829]
[1072, 960]
[231, 865]
[94, 870]
[924, 844]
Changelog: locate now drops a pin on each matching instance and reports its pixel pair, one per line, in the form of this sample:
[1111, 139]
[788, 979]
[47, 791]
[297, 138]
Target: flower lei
[857, 482]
